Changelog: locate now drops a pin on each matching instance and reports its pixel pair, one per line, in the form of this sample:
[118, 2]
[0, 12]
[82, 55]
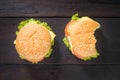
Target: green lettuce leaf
[90, 57]
[46, 25]
[34, 62]
[66, 43]
[16, 32]
[75, 17]
[49, 53]
[21, 57]
[25, 22]
[52, 43]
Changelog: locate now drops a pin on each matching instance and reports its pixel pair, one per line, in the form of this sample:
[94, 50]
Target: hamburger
[34, 40]
[79, 37]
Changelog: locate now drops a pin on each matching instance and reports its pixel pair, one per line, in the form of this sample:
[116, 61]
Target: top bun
[33, 42]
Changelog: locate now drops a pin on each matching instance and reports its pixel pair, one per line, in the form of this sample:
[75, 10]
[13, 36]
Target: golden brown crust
[81, 33]
[33, 42]
[83, 25]
[83, 45]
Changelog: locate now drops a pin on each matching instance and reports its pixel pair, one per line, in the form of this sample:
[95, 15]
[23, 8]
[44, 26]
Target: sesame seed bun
[81, 37]
[33, 42]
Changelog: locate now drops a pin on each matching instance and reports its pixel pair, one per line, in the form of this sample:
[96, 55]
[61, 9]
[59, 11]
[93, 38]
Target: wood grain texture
[40, 8]
[61, 65]
[108, 42]
[59, 72]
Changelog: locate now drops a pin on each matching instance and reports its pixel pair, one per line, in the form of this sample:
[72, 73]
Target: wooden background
[61, 65]
[54, 8]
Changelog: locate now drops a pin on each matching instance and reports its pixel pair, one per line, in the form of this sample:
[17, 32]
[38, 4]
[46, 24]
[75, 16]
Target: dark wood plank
[40, 8]
[108, 42]
[59, 72]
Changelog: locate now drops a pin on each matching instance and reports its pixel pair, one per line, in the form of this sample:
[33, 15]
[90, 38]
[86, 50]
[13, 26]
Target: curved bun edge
[46, 30]
[74, 31]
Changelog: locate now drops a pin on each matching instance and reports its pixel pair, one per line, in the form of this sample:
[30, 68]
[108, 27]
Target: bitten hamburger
[79, 37]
